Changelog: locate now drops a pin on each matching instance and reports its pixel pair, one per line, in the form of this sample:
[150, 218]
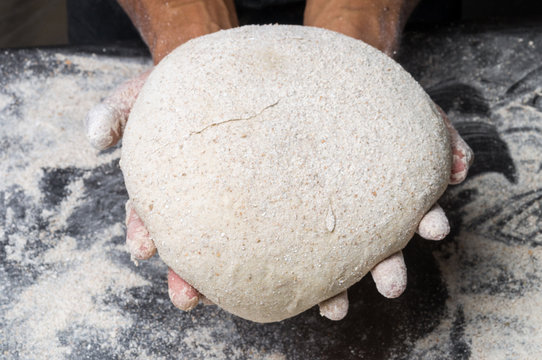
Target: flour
[62, 299]
[499, 298]
[484, 304]
[46, 133]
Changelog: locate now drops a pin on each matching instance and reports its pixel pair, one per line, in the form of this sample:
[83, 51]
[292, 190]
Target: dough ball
[274, 166]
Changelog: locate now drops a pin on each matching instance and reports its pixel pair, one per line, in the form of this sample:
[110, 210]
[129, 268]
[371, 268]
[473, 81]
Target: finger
[182, 295]
[139, 242]
[105, 122]
[463, 155]
[390, 276]
[434, 225]
[335, 308]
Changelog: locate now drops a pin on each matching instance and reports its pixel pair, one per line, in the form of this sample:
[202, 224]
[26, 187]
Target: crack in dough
[235, 119]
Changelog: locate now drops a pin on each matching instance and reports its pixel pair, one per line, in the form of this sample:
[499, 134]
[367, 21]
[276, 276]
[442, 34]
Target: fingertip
[394, 287]
[434, 225]
[143, 250]
[463, 156]
[182, 301]
[459, 171]
[105, 122]
[336, 307]
[99, 123]
[182, 295]
[392, 291]
[390, 276]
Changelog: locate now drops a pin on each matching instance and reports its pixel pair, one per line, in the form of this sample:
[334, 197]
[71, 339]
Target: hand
[105, 124]
[379, 23]
[164, 25]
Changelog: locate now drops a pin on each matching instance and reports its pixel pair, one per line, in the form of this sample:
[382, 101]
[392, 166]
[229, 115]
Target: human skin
[166, 24]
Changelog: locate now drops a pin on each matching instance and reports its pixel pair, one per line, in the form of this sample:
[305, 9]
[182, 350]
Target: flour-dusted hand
[105, 122]
[379, 23]
[164, 25]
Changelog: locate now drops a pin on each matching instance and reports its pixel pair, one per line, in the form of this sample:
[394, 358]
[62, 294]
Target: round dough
[274, 166]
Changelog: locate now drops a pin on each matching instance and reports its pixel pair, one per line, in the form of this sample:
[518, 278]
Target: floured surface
[475, 295]
[242, 142]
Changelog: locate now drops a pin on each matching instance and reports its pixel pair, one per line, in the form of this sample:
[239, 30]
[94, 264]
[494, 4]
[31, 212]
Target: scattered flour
[45, 131]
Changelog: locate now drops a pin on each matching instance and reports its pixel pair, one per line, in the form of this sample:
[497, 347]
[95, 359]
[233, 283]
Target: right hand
[163, 25]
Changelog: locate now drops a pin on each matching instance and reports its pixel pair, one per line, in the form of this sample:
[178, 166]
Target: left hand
[379, 23]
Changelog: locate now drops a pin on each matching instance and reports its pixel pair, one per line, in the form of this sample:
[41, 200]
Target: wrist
[164, 25]
[377, 22]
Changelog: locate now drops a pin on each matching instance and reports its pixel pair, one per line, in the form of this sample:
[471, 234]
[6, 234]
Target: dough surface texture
[275, 165]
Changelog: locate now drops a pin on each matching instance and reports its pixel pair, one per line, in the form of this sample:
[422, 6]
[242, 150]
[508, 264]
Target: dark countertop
[69, 290]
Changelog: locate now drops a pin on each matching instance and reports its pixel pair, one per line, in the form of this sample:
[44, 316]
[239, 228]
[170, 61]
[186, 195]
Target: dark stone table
[69, 290]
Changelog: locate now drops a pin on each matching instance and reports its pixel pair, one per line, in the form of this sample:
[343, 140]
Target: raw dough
[274, 166]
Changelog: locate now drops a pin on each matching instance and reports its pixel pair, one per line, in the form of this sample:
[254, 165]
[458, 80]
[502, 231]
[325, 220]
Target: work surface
[69, 290]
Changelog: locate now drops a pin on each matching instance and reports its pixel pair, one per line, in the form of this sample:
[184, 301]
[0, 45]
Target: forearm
[166, 24]
[377, 22]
